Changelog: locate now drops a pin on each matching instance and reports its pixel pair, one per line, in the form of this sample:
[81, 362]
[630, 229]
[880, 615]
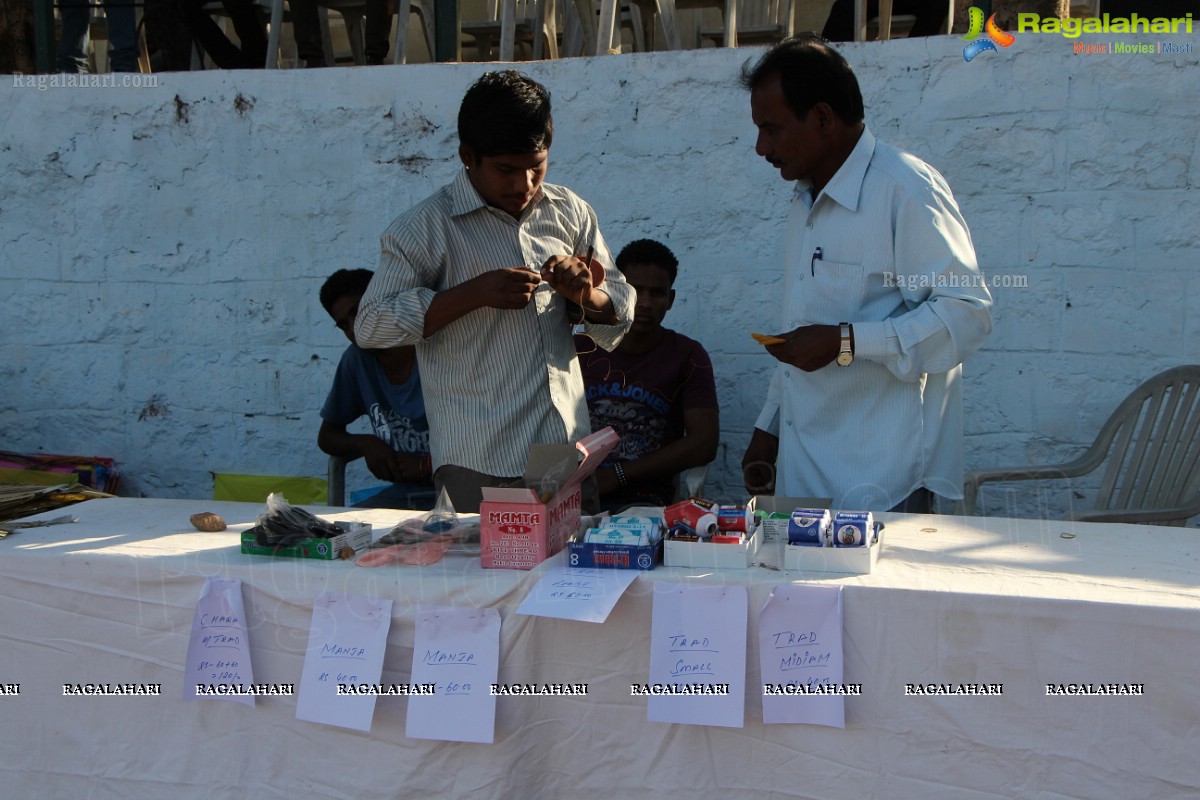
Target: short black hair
[342, 283]
[648, 251]
[810, 72]
[505, 113]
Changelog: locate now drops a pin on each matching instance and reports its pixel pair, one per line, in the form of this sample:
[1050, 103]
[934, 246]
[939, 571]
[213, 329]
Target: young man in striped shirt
[487, 277]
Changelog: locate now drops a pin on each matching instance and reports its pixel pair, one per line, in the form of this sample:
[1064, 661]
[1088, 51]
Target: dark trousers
[167, 36]
[306, 25]
[250, 30]
[919, 502]
[76, 29]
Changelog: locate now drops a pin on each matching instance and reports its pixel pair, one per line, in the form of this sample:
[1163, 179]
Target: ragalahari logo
[995, 35]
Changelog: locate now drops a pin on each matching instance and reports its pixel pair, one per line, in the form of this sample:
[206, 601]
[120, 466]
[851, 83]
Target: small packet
[285, 524]
[440, 521]
[422, 540]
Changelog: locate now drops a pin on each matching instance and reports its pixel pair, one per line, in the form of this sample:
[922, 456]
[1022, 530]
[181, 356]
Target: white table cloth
[952, 600]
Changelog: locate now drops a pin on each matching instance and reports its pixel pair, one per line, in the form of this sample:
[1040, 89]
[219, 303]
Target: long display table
[953, 600]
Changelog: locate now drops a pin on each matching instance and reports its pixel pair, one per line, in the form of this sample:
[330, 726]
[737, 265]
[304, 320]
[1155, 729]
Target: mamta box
[520, 527]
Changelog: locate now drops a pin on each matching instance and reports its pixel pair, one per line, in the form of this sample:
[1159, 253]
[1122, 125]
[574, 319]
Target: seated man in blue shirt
[656, 390]
[383, 385]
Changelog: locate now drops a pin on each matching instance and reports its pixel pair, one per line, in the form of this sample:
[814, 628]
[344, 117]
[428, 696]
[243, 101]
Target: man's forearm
[448, 306]
[667, 462]
[340, 442]
[697, 447]
[599, 308]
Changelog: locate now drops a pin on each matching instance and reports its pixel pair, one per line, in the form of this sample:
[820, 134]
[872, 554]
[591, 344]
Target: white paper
[586, 595]
[346, 643]
[458, 651]
[800, 646]
[698, 644]
[219, 651]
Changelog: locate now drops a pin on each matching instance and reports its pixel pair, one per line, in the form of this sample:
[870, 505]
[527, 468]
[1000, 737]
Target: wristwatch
[845, 355]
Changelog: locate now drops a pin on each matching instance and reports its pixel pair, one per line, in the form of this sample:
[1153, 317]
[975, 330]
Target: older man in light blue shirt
[883, 299]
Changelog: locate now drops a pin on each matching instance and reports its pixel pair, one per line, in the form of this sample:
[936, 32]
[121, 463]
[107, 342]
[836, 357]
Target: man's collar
[845, 187]
[464, 198]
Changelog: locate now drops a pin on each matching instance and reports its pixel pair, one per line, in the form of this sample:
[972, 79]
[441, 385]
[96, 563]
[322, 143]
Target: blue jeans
[122, 35]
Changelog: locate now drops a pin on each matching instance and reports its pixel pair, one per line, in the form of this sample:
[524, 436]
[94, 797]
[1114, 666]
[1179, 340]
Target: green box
[357, 536]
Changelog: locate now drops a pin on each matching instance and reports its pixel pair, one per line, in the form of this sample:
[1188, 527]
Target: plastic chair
[611, 18]
[886, 24]
[756, 22]
[337, 481]
[352, 12]
[668, 17]
[425, 14]
[1150, 449]
[512, 21]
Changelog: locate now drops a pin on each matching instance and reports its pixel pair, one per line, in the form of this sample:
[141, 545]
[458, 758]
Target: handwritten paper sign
[698, 655]
[800, 650]
[346, 642]
[218, 657]
[586, 595]
[458, 651]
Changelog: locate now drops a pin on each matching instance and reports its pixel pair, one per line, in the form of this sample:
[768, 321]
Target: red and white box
[518, 529]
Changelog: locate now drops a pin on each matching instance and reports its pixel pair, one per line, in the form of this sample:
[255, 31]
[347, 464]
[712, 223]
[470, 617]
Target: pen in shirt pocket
[816, 256]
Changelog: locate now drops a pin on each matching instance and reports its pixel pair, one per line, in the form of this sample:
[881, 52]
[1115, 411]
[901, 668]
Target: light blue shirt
[898, 264]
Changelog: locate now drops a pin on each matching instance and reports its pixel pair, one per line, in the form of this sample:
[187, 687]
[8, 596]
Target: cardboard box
[604, 555]
[517, 530]
[852, 560]
[357, 536]
[776, 530]
[708, 555]
[601, 555]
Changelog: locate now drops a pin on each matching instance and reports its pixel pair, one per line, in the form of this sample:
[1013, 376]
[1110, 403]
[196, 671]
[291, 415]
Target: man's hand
[606, 480]
[511, 287]
[810, 347]
[569, 276]
[389, 465]
[758, 465]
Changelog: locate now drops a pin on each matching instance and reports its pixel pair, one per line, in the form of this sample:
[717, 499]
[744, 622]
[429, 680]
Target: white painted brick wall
[161, 249]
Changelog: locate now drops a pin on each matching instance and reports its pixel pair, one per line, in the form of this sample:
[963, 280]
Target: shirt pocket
[828, 293]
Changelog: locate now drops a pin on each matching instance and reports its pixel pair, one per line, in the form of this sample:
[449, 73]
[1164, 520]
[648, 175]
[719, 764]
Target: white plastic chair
[668, 18]
[756, 22]
[510, 21]
[1150, 450]
[886, 23]
[352, 12]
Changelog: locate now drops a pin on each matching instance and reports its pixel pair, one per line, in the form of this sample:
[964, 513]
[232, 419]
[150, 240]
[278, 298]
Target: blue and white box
[810, 527]
[853, 529]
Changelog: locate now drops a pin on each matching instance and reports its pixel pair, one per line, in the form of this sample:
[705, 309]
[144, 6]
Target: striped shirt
[896, 261]
[495, 380]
